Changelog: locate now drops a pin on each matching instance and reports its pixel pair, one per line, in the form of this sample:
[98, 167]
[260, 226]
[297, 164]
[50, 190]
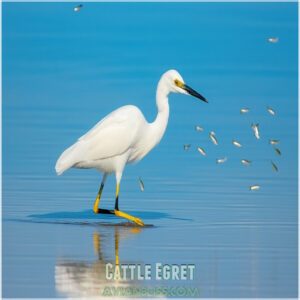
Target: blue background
[63, 71]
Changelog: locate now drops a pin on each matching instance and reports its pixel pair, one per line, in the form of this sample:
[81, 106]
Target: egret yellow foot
[124, 215]
[96, 204]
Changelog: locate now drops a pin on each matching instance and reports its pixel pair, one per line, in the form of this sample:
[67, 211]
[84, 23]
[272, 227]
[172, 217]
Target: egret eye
[178, 83]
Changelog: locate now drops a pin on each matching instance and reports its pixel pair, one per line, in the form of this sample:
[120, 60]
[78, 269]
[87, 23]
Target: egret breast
[106, 165]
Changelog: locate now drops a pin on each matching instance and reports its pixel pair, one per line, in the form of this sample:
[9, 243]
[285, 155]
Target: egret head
[175, 83]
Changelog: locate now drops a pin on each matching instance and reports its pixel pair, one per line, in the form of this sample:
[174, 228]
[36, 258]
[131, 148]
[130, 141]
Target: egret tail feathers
[67, 159]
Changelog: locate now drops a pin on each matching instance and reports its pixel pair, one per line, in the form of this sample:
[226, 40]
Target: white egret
[123, 136]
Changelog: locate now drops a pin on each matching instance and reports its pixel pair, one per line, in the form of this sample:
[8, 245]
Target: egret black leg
[97, 201]
[122, 214]
[117, 197]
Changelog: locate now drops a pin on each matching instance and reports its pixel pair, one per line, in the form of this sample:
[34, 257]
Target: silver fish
[186, 147]
[274, 142]
[213, 138]
[244, 110]
[274, 167]
[237, 144]
[78, 8]
[254, 187]
[246, 162]
[273, 40]
[255, 130]
[201, 151]
[271, 111]
[199, 128]
[221, 160]
[277, 151]
[141, 183]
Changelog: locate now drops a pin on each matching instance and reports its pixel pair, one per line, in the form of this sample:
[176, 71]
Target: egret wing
[112, 136]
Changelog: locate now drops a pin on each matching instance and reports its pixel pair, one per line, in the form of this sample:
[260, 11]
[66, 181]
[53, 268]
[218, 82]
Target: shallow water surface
[62, 72]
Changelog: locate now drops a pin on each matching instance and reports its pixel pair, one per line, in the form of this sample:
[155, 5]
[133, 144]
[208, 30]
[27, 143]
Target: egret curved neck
[162, 102]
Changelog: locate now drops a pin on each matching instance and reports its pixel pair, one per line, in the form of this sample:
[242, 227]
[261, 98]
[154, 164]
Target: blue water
[63, 71]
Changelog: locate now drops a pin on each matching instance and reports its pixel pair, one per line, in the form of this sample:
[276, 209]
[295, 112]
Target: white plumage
[124, 135]
[114, 136]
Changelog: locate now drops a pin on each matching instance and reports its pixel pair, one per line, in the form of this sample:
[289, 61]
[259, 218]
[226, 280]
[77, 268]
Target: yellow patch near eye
[178, 83]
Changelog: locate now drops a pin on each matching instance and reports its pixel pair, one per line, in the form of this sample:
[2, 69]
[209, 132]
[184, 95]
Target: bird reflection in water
[88, 279]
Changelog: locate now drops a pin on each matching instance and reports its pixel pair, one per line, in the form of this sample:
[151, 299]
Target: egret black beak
[193, 92]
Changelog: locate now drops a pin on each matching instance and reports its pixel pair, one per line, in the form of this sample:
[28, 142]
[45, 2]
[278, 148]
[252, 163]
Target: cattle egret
[123, 136]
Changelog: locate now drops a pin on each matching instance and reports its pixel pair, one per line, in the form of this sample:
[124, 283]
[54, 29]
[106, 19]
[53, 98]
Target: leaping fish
[141, 183]
[277, 151]
[271, 111]
[254, 187]
[213, 138]
[236, 143]
[78, 8]
[274, 142]
[186, 147]
[246, 162]
[221, 160]
[244, 110]
[199, 128]
[201, 151]
[255, 130]
[274, 166]
[273, 40]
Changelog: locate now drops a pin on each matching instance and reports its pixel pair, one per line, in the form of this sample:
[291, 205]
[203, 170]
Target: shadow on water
[90, 215]
[87, 217]
[80, 278]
